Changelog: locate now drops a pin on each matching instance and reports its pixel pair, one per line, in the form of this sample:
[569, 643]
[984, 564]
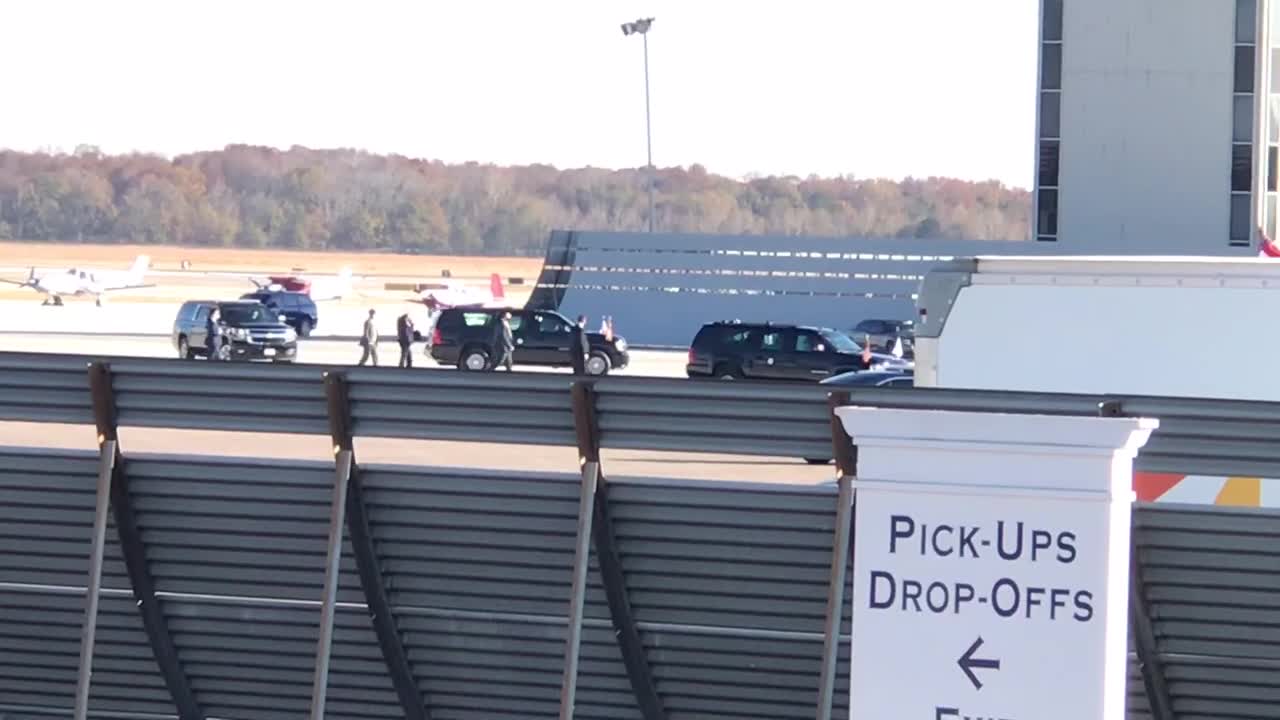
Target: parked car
[766, 351]
[872, 378]
[465, 337]
[881, 334]
[252, 331]
[298, 309]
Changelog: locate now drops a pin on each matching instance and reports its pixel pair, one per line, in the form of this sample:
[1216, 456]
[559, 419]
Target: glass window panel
[1050, 114]
[1048, 163]
[1241, 167]
[1242, 119]
[1240, 217]
[1244, 68]
[1047, 210]
[1271, 215]
[1051, 67]
[1273, 110]
[1053, 19]
[1246, 20]
[1272, 174]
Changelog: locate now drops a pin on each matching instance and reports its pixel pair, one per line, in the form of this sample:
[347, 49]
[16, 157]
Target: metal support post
[372, 583]
[577, 600]
[1144, 637]
[134, 549]
[846, 462]
[599, 529]
[88, 636]
[337, 519]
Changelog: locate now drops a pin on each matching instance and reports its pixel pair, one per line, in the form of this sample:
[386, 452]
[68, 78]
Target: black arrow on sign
[968, 662]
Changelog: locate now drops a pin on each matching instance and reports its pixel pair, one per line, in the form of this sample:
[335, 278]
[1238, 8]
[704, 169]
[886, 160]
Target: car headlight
[238, 334]
[290, 335]
[621, 344]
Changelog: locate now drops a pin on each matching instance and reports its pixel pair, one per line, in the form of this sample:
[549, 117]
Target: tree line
[257, 197]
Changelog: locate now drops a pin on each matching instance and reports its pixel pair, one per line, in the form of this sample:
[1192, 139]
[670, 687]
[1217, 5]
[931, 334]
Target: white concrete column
[991, 564]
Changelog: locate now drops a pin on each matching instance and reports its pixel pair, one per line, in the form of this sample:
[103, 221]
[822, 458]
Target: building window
[1272, 152]
[1244, 68]
[1048, 163]
[1242, 119]
[1052, 20]
[1246, 21]
[1050, 114]
[1051, 67]
[1047, 209]
[1241, 167]
[1240, 218]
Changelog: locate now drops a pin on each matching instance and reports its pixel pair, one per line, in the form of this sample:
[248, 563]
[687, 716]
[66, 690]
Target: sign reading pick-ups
[990, 571]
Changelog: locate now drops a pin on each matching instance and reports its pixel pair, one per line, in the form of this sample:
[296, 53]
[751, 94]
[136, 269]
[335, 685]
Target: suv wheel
[474, 360]
[184, 349]
[598, 364]
[726, 372]
[304, 328]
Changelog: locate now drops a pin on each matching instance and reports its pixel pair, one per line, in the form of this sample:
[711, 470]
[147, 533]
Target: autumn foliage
[350, 200]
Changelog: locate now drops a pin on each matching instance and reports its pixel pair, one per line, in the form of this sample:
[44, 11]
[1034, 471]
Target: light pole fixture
[641, 27]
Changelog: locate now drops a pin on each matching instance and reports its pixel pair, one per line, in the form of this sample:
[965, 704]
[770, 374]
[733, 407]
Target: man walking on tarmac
[504, 343]
[404, 334]
[369, 341]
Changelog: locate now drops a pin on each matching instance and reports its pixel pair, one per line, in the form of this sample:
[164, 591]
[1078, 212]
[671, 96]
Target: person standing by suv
[404, 334]
[213, 334]
[369, 341]
[581, 347]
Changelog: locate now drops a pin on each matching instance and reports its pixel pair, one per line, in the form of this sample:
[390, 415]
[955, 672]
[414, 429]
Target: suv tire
[474, 359]
[304, 328]
[598, 364]
[727, 372]
[184, 349]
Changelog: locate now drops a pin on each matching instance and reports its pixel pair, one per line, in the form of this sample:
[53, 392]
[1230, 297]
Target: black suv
[765, 351]
[251, 330]
[465, 337]
[298, 309]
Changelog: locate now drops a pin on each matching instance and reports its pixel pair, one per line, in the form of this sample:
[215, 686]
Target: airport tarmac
[142, 330]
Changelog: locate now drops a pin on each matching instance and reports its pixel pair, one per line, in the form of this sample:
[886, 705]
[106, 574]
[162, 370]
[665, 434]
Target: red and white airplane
[319, 288]
[455, 294]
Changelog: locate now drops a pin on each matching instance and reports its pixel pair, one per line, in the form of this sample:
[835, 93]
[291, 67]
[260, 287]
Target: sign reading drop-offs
[990, 570]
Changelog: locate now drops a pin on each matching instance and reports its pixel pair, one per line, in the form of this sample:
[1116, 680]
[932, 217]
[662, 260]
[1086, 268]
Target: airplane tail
[495, 287]
[139, 269]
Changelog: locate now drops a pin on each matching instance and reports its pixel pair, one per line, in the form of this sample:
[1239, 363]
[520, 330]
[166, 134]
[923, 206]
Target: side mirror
[821, 348]
[282, 318]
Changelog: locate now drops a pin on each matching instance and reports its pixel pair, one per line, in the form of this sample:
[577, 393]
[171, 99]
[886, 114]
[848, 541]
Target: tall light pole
[642, 28]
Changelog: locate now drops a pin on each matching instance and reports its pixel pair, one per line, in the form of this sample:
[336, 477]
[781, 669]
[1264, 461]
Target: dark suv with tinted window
[251, 330]
[298, 309]
[765, 351]
[465, 337]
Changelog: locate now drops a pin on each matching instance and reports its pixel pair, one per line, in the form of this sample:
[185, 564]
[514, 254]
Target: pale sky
[872, 88]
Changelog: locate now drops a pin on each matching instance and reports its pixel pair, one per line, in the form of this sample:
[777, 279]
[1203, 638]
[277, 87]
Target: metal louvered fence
[239, 588]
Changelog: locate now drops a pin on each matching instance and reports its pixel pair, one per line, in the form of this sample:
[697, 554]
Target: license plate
[269, 352]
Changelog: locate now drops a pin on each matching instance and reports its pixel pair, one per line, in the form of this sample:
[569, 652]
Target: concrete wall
[1146, 126]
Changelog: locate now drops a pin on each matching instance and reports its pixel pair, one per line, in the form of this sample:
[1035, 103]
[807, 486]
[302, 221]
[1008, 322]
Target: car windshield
[243, 314]
[841, 342]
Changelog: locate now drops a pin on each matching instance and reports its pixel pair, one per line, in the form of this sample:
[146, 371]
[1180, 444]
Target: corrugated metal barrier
[453, 593]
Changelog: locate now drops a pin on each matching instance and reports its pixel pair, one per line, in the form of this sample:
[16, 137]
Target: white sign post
[991, 564]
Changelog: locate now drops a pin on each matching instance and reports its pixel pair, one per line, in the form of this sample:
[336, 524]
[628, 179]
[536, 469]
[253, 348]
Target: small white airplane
[455, 294]
[75, 282]
[319, 288]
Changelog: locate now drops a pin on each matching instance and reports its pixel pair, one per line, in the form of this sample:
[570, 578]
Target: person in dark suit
[404, 334]
[580, 347]
[505, 344]
[213, 334]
